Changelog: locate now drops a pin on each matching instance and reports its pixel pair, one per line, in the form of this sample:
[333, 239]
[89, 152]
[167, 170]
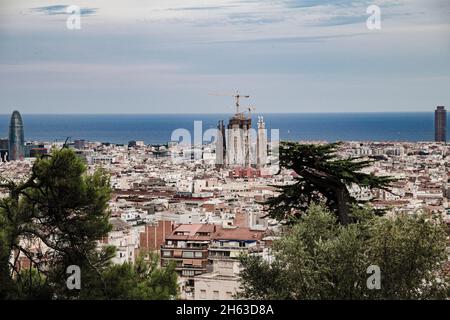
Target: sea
[158, 128]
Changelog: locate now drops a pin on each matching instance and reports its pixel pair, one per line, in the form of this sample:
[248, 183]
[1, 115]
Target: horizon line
[215, 113]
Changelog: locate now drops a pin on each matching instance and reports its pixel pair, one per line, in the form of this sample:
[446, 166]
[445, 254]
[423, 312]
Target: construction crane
[236, 95]
[250, 109]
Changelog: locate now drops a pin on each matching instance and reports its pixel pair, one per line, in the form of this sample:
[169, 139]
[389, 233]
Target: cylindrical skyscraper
[440, 124]
[16, 139]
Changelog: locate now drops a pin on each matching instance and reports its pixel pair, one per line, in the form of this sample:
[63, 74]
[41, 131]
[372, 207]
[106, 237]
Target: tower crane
[236, 95]
[250, 109]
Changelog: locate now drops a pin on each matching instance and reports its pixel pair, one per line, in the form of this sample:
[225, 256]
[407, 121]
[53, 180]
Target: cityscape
[202, 206]
[226, 158]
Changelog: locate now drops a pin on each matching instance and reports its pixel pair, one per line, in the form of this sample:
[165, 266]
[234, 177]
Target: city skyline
[235, 153]
[168, 56]
[159, 128]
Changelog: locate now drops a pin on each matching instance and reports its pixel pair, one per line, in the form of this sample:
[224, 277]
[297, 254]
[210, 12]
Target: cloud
[319, 3]
[163, 55]
[342, 20]
[200, 8]
[249, 18]
[61, 9]
[330, 13]
[293, 39]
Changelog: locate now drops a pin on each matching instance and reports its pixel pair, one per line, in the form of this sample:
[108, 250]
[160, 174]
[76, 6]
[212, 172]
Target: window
[188, 273]
[188, 254]
[198, 254]
[233, 244]
[177, 253]
[167, 253]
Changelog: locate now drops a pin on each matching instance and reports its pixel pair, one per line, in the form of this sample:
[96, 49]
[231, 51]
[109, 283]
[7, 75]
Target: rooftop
[237, 234]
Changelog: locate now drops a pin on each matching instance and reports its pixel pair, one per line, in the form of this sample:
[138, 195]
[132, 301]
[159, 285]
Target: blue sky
[166, 56]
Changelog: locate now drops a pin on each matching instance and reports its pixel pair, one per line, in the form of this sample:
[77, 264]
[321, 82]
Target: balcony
[204, 257]
[242, 249]
[227, 248]
[219, 257]
[171, 247]
[190, 267]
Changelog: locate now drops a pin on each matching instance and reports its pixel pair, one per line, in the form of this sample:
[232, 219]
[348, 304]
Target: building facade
[154, 235]
[221, 145]
[222, 284]
[440, 124]
[4, 146]
[226, 246]
[187, 247]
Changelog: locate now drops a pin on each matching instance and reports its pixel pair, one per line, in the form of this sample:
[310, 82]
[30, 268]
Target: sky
[190, 56]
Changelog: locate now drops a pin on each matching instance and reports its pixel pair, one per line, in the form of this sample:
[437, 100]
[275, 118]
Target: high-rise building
[4, 146]
[16, 138]
[220, 145]
[440, 124]
[80, 144]
[187, 248]
[261, 144]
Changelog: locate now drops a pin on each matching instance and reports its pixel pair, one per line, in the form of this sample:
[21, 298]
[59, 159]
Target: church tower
[261, 144]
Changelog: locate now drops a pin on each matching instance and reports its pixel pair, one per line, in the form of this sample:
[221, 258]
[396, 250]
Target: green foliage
[323, 177]
[261, 280]
[144, 280]
[31, 285]
[62, 206]
[410, 250]
[321, 259]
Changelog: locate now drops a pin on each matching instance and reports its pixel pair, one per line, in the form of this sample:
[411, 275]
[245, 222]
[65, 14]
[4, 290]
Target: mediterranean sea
[158, 128]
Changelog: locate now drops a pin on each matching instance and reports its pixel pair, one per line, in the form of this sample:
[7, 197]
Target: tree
[65, 208]
[31, 285]
[322, 176]
[143, 280]
[319, 258]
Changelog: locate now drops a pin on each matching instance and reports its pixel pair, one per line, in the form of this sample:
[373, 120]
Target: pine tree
[322, 177]
[64, 207]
